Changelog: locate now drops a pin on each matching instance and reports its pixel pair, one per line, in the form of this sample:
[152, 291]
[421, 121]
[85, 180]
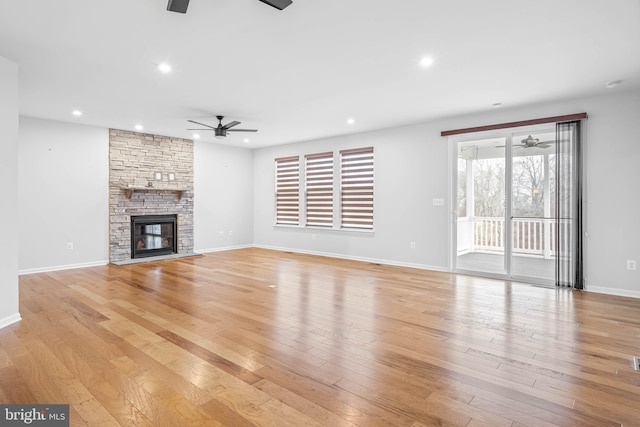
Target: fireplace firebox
[153, 235]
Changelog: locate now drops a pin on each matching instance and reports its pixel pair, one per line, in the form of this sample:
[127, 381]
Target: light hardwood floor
[266, 338]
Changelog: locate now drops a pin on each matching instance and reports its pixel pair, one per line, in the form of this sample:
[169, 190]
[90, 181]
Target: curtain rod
[555, 119]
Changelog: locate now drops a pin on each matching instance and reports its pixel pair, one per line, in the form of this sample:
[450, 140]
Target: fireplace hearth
[153, 235]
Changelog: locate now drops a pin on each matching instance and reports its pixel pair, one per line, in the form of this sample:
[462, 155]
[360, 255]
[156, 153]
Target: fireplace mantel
[130, 189]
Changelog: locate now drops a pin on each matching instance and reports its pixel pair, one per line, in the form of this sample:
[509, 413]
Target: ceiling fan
[531, 142]
[180, 6]
[221, 130]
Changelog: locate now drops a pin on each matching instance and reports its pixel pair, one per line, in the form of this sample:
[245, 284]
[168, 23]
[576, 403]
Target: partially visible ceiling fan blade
[202, 129]
[242, 130]
[543, 145]
[201, 124]
[230, 125]
[179, 6]
[278, 4]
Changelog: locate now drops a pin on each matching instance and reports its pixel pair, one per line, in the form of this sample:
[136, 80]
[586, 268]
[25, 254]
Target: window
[462, 187]
[319, 189]
[320, 199]
[356, 188]
[288, 190]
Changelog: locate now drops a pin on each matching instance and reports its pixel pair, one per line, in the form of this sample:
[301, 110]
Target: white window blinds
[288, 190]
[356, 187]
[319, 189]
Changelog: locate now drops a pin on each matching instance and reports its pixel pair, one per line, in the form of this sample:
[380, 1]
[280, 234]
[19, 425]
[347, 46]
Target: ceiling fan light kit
[181, 6]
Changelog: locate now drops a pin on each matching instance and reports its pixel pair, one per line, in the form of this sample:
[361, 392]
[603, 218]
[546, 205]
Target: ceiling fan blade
[230, 125]
[278, 4]
[242, 130]
[179, 6]
[202, 129]
[543, 145]
[201, 124]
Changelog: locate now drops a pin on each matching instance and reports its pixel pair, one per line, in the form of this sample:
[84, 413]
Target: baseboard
[356, 258]
[613, 291]
[61, 267]
[10, 320]
[222, 249]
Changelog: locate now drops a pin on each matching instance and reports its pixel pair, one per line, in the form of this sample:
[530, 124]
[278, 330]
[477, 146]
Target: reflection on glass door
[481, 205]
[533, 224]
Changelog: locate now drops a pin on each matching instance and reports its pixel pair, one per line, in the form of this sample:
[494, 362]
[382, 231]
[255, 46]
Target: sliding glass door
[480, 214]
[504, 224]
[533, 224]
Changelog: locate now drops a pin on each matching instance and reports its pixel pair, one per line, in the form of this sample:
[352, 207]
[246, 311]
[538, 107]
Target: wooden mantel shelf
[129, 190]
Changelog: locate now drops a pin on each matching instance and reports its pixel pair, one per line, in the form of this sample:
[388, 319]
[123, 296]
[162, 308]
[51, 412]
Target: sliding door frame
[507, 133]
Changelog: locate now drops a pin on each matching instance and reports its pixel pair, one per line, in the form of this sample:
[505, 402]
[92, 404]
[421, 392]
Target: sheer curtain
[568, 232]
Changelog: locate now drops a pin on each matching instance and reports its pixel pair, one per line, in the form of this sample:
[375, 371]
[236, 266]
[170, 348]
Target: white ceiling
[298, 74]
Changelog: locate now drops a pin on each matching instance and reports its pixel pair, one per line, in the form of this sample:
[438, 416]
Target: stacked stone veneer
[134, 160]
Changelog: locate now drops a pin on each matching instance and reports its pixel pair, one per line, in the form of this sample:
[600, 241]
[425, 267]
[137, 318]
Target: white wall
[64, 195]
[9, 311]
[613, 209]
[412, 169]
[223, 197]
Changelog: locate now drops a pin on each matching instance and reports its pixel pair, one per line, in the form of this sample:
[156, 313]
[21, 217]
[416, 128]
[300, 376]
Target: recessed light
[497, 105]
[138, 127]
[426, 62]
[351, 121]
[76, 113]
[196, 136]
[164, 68]
[247, 140]
[612, 84]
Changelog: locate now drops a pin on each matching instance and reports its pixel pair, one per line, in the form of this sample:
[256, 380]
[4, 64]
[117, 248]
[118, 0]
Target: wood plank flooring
[254, 337]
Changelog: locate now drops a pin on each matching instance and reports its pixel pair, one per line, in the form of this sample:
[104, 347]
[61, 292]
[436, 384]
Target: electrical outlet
[438, 202]
[631, 264]
[412, 245]
[313, 237]
[70, 246]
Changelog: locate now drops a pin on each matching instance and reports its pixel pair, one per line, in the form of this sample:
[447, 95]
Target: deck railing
[531, 236]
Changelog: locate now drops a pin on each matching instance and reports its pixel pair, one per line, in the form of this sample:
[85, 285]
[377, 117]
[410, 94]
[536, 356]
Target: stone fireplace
[149, 175]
